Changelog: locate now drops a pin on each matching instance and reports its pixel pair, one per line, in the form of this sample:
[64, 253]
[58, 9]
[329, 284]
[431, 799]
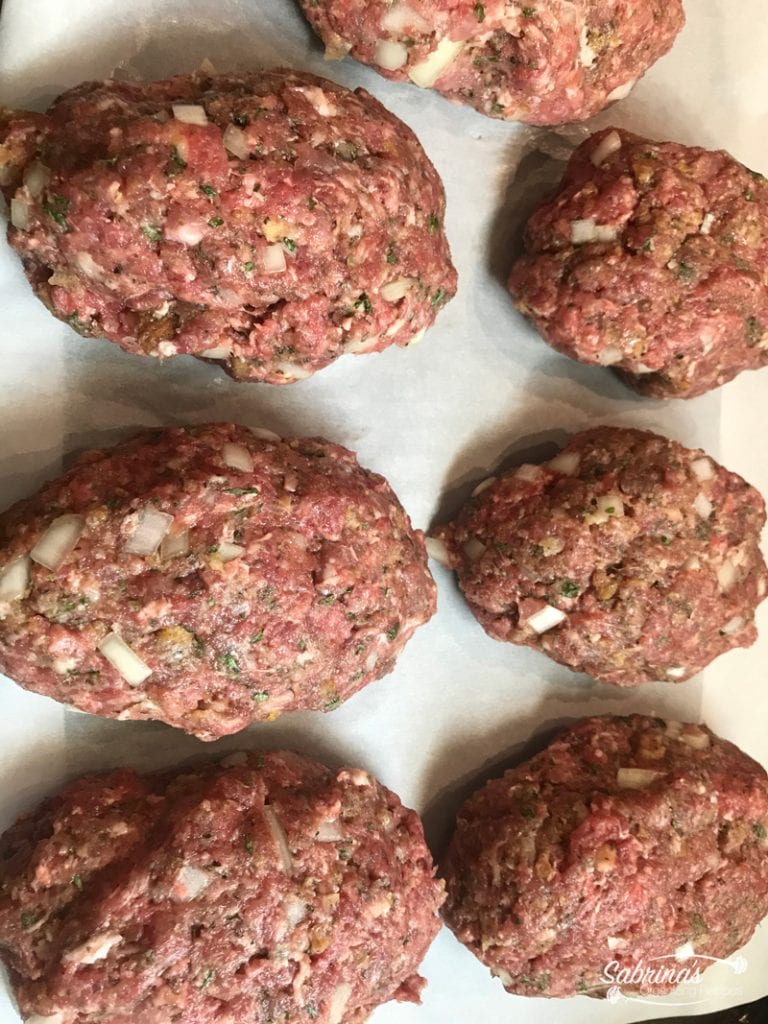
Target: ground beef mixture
[628, 557]
[652, 259]
[267, 889]
[270, 221]
[208, 577]
[548, 63]
[628, 843]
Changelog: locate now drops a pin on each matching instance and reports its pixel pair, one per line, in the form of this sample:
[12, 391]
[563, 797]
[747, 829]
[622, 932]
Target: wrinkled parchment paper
[482, 388]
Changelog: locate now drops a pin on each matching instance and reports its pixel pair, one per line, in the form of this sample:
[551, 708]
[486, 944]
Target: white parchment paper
[481, 388]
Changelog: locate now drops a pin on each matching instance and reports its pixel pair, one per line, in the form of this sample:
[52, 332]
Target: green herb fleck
[648, 245]
[749, 195]
[332, 704]
[364, 303]
[229, 662]
[569, 589]
[392, 633]
[529, 12]
[152, 233]
[208, 190]
[754, 330]
[290, 245]
[433, 223]
[57, 208]
[259, 696]
[311, 1011]
[77, 881]
[208, 975]
[176, 164]
[760, 830]
[327, 599]
[257, 637]
[248, 267]
[582, 986]
[311, 202]
[480, 12]
[30, 918]
[266, 594]
[439, 297]
[215, 222]
[391, 253]
[248, 844]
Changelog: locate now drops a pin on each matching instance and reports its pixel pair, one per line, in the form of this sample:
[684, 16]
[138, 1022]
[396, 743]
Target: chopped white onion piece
[95, 949]
[175, 545]
[703, 469]
[606, 148]
[125, 660]
[281, 840]
[621, 91]
[698, 740]
[220, 352]
[587, 55]
[545, 619]
[265, 435]
[637, 778]
[396, 290]
[51, 1018]
[293, 371]
[401, 17]
[707, 224]
[733, 625]
[273, 260]
[503, 975]
[190, 113]
[237, 456]
[611, 505]
[295, 910]
[727, 574]
[528, 472]
[229, 552]
[474, 549]
[436, 549]
[329, 831]
[616, 943]
[685, 952]
[427, 72]
[588, 230]
[36, 177]
[236, 142]
[677, 673]
[20, 214]
[14, 579]
[190, 882]
[483, 486]
[58, 541]
[703, 506]
[338, 1003]
[390, 55]
[610, 356]
[152, 527]
[566, 463]
[674, 729]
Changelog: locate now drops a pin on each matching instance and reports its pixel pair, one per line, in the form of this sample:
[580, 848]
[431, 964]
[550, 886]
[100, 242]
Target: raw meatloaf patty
[265, 889]
[626, 840]
[270, 221]
[207, 577]
[652, 259]
[628, 557]
[552, 62]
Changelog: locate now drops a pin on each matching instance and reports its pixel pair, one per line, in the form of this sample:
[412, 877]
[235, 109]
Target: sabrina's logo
[670, 970]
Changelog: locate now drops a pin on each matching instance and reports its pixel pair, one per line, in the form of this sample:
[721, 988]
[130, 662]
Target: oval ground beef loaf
[628, 557]
[265, 889]
[546, 63]
[625, 842]
[652, 259]
[270, 221]
[207, 577]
